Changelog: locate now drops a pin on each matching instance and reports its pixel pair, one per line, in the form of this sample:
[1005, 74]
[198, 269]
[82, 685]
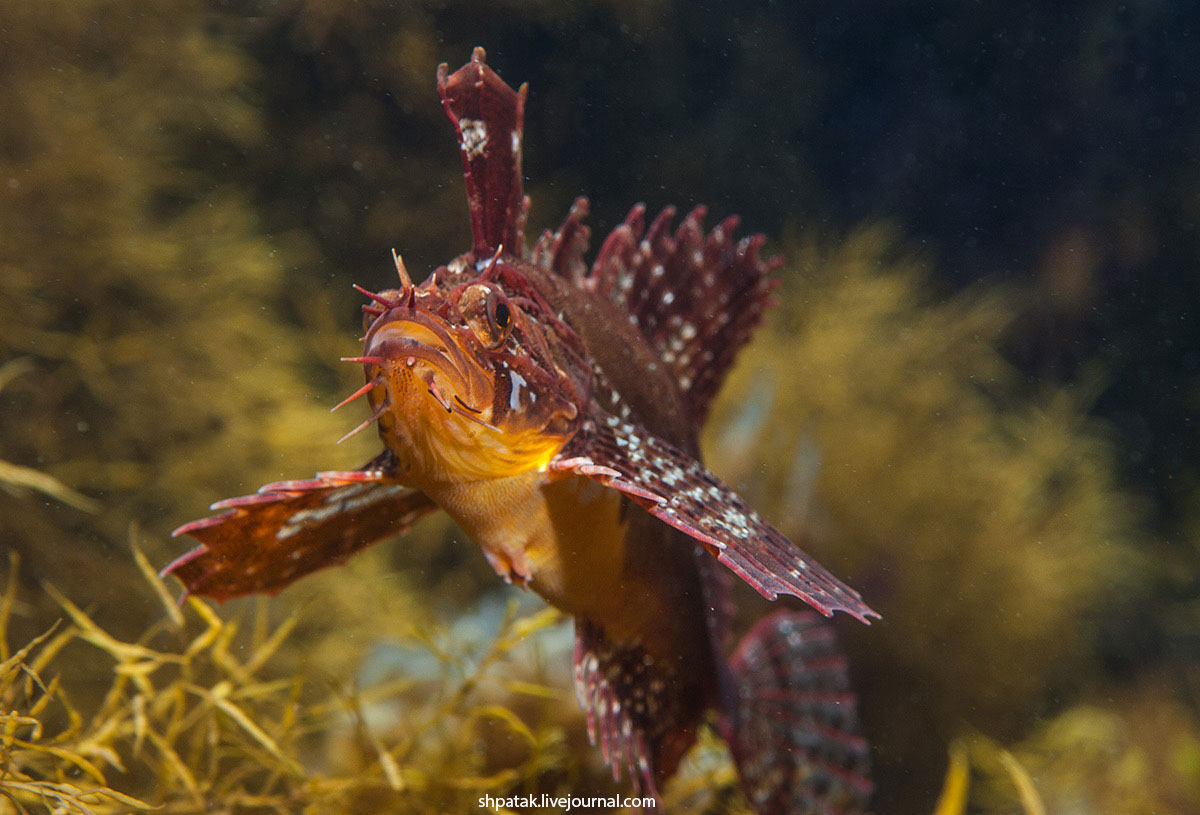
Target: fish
[552, 409]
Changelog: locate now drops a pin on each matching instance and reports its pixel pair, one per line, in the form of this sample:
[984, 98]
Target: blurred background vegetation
[975, 401]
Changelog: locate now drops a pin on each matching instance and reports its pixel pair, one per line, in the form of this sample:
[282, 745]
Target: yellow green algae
[196, 718]
[168, 340]
[130, 284]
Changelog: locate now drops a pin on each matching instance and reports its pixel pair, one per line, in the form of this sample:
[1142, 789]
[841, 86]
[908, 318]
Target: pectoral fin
[265, 541]
[679, 491]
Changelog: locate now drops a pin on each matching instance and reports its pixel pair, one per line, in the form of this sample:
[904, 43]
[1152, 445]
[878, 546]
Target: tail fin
[794, 730]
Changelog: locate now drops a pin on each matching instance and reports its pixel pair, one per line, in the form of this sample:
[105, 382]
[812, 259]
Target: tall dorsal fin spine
[489, 118]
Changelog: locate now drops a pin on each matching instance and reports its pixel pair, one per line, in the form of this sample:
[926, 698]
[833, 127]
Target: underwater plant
[196, 716]
[133, 282]
[1136, 750]
[17, 479]
[202, 712]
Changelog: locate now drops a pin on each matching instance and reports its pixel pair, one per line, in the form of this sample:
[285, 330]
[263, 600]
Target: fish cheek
[520, 405]
[501, 397]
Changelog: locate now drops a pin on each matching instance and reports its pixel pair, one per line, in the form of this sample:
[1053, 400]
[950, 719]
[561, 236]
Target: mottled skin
[553, 412]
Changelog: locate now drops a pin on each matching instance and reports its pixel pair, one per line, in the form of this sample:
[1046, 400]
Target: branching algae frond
[195, 719]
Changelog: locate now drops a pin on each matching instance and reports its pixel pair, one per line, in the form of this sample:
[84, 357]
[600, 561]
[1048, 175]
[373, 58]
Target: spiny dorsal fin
[562, 252]
[696, 298]
[489, 118]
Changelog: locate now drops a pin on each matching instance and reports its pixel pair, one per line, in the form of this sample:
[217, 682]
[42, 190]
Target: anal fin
[642, 712]
[795, 733]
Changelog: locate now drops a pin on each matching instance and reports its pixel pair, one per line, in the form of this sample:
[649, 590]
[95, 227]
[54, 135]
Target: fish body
[553, 411]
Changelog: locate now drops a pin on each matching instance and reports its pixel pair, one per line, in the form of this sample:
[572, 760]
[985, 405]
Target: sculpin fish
[552, 408]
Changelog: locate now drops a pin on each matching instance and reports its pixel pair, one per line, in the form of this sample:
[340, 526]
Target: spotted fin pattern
[795, 730]
[637, 709]
[288, 529]
[696, 298]
[489, 118]
[681, 492]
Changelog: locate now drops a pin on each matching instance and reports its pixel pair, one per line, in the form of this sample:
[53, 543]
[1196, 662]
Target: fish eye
[488, 313]
[499, 315]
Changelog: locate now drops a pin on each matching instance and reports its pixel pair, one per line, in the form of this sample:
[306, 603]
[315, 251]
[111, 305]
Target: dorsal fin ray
[489, 118]
[562, 252]
[695, 297]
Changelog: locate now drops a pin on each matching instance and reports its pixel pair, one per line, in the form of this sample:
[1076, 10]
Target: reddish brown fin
[642, 713]
[489, 118]
[562, 252]
[265, 541]
[696, 298]
[679, 491]
[795, 733]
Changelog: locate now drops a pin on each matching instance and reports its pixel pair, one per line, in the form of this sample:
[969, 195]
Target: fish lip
[387, 339]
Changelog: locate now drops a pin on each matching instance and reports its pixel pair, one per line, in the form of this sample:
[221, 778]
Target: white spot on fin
[474, 137]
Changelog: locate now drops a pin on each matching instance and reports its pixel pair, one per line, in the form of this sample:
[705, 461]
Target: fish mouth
[413, 344]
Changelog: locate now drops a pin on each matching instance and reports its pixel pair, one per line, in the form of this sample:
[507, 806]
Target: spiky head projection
[471, 374]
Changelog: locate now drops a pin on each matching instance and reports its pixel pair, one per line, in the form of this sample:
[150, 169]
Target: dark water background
[976, 402]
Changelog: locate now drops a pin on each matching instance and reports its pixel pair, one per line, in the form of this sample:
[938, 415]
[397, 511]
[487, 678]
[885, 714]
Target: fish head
[474, 375]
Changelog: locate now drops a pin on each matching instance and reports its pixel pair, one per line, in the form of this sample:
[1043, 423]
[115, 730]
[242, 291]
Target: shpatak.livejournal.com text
[567, 803]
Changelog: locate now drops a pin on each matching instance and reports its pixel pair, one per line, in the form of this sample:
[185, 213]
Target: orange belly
[567, 539]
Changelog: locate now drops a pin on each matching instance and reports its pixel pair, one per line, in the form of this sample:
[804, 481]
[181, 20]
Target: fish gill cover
[167, 336]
